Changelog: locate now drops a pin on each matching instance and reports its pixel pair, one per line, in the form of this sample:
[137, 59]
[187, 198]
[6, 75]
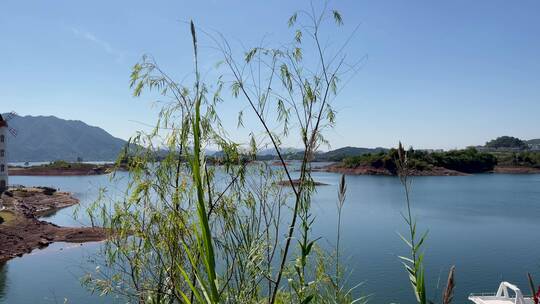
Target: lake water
[487, 225]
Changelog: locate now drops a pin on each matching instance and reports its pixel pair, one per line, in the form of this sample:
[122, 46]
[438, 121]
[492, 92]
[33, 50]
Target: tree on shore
[507, 142]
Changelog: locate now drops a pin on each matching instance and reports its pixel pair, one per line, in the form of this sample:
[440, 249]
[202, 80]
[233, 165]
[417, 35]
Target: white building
[3, 154]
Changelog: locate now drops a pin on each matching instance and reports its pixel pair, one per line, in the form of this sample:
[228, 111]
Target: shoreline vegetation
[63, 168]
[21, 230]
[452, 163]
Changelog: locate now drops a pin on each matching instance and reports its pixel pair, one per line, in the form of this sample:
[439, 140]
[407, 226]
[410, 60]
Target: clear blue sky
[440, 73]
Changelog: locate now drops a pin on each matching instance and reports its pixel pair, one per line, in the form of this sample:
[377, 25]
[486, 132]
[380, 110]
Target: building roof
[3, 123]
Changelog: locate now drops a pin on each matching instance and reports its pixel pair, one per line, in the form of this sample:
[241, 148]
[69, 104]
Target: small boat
[506, 294]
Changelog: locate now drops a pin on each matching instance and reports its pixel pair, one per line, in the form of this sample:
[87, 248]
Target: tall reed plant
[414, 263]
[195, 229]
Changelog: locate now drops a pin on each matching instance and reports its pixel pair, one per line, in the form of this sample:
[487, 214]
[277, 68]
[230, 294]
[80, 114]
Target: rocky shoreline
[22, 231]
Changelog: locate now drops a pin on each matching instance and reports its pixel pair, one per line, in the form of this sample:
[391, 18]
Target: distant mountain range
[48, 138]
[332, 155]
[341, 153]
[284, 150]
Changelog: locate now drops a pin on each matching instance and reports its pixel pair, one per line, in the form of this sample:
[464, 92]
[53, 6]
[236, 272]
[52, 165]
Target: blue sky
[440, 74]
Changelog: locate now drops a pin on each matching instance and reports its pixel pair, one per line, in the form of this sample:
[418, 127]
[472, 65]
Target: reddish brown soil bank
[21, 231]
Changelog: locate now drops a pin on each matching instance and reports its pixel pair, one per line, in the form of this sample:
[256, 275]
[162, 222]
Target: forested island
[455, 162]
[459, 162]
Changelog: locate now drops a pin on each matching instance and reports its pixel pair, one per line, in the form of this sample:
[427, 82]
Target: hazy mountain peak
[46, 138]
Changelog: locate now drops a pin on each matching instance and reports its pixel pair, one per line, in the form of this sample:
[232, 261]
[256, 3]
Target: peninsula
[62, 168]
[440, 163]
[21, 230]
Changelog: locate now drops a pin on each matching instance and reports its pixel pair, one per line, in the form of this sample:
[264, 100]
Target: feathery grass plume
[342, 190]
[448, 294]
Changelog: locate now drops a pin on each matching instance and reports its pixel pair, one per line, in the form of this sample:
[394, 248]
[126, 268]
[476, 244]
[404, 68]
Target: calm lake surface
[487, 225]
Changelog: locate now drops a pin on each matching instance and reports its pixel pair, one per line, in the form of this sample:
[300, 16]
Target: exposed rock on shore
[22, 231]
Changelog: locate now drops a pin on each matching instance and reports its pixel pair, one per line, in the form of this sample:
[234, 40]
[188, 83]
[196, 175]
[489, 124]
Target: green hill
[48, 138]
[332, 155]
[341, 153]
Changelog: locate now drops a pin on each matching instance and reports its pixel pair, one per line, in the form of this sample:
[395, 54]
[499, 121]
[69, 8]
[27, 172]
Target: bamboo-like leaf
[235, 88]
[297, 54]
[138, 89]
[240, 119]
[250, 54]
[337, 17]
[307, 299]
[421, 241]
[406, 259]
[298, 36]
[405, 240]
[292, 19]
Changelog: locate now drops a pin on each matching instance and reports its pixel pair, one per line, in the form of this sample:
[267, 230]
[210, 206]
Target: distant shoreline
[516, 170]
[435, 171]
[82, 169]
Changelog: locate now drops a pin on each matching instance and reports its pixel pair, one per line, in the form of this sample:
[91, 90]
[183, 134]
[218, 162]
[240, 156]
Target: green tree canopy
[507, 142]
